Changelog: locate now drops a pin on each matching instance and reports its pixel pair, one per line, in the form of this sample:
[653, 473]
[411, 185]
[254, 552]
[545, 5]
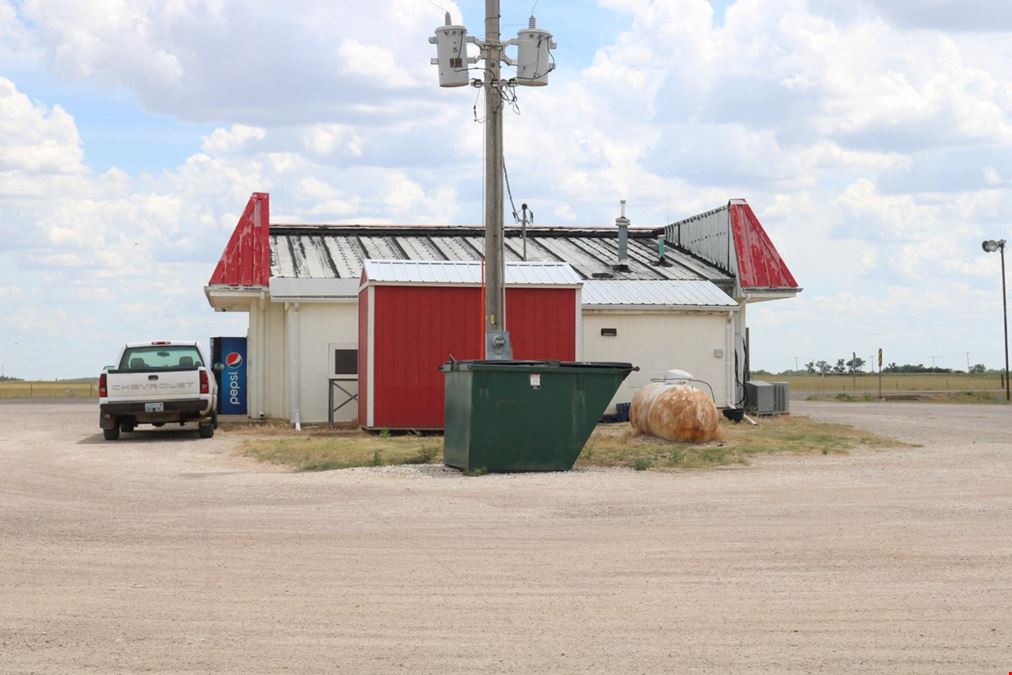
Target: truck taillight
[205, 386]
[103, 387]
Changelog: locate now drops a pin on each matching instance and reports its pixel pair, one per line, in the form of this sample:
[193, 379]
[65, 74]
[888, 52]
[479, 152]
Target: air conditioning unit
[759, 397]
[781, 397]
[766, 398]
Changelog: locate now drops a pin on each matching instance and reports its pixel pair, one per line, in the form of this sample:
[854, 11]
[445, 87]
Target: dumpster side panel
[527, 418]
[457, 437]
[542, 323]
[416, 330]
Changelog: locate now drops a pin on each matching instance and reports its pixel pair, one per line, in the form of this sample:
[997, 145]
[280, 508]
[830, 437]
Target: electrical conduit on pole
[495, 300]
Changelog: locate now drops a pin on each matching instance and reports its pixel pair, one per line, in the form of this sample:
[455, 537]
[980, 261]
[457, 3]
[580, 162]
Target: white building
[671, 297]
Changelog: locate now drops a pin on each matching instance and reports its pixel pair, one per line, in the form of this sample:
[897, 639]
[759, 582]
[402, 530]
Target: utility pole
[495, 294]
[534, 62]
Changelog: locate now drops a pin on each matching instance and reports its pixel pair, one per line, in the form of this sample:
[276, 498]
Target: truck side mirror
[218, 367]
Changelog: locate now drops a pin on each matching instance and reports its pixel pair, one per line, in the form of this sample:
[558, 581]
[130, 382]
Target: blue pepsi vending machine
[231, 353]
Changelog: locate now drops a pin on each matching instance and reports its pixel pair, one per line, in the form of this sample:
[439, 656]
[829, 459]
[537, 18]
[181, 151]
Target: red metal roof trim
[246, 260]
[759, 263]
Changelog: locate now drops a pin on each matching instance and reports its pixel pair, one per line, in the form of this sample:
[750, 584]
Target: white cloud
[876, 156]
[250, 63]
[227, 141]
[35, 138]
[372, 63]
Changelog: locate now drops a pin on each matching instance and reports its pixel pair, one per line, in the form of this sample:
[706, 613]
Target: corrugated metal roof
[467, 272]
[759, 263]
[732, 238]
[337, 251]
[680, 293]
[246, 258]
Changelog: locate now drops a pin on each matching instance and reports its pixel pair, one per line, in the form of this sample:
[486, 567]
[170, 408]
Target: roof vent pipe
[623, 240]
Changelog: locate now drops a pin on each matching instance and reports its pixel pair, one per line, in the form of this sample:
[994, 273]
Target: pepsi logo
[233, 360]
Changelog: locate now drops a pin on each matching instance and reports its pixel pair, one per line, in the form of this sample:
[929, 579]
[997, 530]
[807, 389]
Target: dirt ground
[168, 553]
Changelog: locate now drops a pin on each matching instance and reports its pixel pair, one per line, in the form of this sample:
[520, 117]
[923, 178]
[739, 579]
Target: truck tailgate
[163, 385]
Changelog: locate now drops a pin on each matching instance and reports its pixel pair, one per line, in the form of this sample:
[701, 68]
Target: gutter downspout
[730, 376]
[261, 356]
[296, 368]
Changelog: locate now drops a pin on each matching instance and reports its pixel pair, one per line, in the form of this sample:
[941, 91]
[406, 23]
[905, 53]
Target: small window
[609, 332]
[345, 362]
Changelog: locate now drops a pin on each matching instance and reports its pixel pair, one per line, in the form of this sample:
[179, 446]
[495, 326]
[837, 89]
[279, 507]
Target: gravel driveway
[165, 552]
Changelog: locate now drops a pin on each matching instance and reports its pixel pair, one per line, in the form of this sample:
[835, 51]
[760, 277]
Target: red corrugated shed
[408, 329]
[535, 321]
[759, 263]
[415, 330]
[246, 260]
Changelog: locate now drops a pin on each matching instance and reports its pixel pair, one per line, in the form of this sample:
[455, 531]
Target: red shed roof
[759, 263]
[246, 260]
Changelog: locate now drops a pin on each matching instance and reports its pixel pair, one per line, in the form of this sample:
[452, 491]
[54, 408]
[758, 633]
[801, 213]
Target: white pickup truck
[157, 383]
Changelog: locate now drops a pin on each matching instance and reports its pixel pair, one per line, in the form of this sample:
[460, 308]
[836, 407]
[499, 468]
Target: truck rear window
[160, 357]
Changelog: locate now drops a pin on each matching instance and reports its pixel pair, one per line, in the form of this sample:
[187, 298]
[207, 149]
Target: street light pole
[991, 246]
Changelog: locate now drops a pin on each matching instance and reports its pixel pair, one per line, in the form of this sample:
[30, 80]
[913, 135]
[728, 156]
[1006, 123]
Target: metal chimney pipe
[623, 240]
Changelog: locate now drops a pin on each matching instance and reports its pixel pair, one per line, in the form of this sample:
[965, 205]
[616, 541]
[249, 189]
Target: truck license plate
[154, 407]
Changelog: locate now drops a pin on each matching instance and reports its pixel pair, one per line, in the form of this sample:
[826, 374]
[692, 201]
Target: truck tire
[111, 434]
[206, 430]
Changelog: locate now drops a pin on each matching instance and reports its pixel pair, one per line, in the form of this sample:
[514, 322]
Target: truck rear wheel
[111, 434]
[206, 430]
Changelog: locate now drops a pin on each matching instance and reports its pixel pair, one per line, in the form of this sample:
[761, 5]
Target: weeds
[616, 444]
[611, 445]
[642, 464]
[423, 456]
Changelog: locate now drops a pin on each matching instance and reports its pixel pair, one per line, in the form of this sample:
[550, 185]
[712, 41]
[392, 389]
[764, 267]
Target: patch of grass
[912, 396]
[477, 471]
[642, 463]
[48, 390]
[618, 445]
[891, 382]
[424, 455]
[326, 449]
[855, 397]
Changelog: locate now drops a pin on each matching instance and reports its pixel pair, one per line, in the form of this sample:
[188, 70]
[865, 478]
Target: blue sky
[872, 138]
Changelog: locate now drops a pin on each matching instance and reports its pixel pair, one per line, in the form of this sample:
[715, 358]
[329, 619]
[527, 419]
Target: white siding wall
[657, 341]
[654, 341]
[323, 324]
[269, 322]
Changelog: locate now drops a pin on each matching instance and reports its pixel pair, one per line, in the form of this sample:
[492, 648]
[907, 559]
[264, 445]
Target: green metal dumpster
[524, 415]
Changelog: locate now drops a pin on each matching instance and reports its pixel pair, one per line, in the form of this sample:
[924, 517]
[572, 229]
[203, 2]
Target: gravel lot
[165, 552]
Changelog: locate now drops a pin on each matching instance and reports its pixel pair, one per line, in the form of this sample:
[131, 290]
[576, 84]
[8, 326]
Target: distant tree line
[856, 365]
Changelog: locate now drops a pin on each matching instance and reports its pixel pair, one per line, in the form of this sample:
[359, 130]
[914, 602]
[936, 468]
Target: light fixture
[990, 246]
